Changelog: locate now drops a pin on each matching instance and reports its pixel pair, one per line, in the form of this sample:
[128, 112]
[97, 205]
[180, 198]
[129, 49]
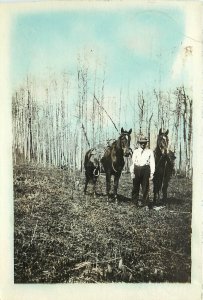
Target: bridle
[126, 135]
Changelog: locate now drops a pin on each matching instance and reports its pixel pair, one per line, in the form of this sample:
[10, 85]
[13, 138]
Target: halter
[124, 134]
[163, 141]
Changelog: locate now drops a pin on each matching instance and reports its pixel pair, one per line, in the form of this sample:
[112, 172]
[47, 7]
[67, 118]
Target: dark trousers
[142, 175]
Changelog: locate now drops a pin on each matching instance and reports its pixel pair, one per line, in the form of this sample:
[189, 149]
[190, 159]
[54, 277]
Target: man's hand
[132, 175]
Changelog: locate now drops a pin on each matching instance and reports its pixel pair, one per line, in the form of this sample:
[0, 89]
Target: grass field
[61, 235]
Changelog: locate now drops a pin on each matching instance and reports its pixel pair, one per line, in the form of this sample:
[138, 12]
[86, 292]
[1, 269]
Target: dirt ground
[61, 235]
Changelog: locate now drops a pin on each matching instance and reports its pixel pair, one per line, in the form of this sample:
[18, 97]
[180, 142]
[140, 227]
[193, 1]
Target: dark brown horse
[113, 160]
[164, 166]
[92, 169]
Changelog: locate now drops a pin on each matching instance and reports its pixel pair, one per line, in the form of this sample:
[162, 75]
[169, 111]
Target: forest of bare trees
[56, 120]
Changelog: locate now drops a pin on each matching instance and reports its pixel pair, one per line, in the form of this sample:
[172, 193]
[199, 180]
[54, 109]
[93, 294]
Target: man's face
[143, 145]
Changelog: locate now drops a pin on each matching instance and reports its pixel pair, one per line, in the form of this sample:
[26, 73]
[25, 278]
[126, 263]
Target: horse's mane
[115, 142]
[157, 151]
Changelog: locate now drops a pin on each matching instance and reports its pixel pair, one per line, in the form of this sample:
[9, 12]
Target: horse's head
[162, 141]
[125, 139]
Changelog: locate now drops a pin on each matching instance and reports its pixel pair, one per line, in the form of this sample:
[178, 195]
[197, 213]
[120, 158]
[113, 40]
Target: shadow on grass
[173, 200]
[125, 199]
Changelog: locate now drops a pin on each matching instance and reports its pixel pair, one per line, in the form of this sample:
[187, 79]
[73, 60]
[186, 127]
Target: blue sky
[137, 46]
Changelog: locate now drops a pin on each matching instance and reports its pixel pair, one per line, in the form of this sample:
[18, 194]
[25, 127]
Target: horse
[164, 166]
[92, 169]
[113, 160]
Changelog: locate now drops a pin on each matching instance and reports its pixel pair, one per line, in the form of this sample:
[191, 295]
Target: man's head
[143, 141]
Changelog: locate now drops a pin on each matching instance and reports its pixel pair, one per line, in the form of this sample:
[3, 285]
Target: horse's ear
[122, 130]
[130, 131]
[160, 131]
[167, 131]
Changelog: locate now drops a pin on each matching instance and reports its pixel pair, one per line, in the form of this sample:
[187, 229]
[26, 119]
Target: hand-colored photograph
[103, 102]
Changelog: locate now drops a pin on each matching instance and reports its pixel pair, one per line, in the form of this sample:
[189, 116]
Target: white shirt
[141, 158]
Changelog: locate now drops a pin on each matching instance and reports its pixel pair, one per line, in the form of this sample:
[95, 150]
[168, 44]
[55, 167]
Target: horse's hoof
[139, 204]
[150, 205]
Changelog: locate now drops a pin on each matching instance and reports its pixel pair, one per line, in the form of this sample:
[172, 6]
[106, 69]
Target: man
[142, 170]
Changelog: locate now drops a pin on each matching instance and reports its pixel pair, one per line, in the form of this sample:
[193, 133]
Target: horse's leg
[155, 190]
[108, 184]
[86, 183]
[94, 187]
[115, 187]
[158, 180]
[164, 189]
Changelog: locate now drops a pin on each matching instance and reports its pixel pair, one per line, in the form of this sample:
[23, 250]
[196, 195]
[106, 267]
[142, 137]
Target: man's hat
[142, 139]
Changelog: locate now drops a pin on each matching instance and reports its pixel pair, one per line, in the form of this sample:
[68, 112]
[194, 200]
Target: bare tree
[141, 107]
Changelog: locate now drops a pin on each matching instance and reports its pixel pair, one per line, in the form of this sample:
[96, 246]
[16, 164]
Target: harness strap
[97, 173]
[114, 168]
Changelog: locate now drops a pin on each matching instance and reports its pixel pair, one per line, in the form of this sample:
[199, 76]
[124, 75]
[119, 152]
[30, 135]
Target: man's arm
[152, 165]
[132, 166]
